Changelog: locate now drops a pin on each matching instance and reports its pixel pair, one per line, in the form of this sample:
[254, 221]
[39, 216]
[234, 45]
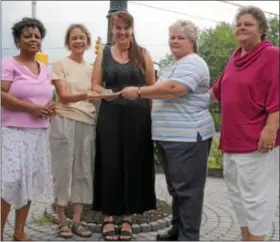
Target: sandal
[81, 230]
[64, 232]
[126, 235]
[108, 235]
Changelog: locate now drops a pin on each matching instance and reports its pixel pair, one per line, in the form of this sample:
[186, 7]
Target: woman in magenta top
[248, 91]
[26, 107]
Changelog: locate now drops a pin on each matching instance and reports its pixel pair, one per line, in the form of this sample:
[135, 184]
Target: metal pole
[33, 9]
[114, 7]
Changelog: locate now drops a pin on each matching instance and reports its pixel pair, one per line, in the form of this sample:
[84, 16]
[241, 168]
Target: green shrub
[156, 155]
[216, 156]
[216, 114]
[215, 108]
[217, 121]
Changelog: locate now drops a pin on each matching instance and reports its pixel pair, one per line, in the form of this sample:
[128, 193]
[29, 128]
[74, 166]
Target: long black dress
[124, 167]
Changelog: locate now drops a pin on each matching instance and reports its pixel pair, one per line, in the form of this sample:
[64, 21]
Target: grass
[42, 220]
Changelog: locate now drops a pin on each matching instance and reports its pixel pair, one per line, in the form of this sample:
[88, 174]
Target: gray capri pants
[72, 146]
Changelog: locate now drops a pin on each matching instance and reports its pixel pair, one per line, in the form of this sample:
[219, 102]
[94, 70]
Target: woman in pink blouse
[248, 91]
[26, 94]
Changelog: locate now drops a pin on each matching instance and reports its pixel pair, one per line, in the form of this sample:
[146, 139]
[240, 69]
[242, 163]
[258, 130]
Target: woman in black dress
[124, 168]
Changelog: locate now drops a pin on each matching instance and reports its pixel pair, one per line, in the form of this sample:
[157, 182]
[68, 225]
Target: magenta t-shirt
[248, 91]
[26, 86]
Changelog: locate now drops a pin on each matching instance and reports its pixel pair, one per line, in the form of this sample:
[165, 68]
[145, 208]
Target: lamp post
[114, 7]
[40, 56]
[33, 9]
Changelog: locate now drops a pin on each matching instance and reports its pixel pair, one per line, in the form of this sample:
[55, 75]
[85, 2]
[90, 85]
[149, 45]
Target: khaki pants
[72, 146]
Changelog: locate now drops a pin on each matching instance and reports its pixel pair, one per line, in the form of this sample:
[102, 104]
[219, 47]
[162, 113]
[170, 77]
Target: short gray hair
[190, 29]
[257, 14]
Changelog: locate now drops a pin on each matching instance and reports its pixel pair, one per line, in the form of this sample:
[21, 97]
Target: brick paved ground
[219, 222]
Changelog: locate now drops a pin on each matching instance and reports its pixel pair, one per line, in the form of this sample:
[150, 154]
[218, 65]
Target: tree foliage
[216, 46]
[273, 34]
[218, 43]
[165, 60]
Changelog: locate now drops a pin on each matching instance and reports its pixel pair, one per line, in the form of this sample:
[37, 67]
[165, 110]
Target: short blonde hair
[190, 29]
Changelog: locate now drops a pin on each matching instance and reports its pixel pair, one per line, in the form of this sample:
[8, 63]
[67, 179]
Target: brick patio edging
[136, 228]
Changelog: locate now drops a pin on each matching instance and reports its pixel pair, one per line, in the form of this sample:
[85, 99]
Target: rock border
[136, 228]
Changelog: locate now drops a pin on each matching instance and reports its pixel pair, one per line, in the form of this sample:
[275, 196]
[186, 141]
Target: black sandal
[111, 233]
[124, 234]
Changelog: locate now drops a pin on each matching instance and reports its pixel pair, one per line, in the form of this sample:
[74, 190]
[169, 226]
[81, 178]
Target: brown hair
[257, 14]
[135, 52]
[82, 28]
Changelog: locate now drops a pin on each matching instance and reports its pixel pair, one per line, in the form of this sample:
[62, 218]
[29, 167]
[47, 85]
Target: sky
[152, 19]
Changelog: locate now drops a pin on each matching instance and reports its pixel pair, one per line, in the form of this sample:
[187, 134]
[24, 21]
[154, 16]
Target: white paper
[110, 94]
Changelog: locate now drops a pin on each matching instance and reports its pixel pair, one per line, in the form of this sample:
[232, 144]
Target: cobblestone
[218, 222]
[162, 223]
[145, 228]
[155, 226]
[136, 228]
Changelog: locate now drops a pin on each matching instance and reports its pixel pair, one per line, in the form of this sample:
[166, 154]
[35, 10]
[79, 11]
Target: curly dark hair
[18, 27]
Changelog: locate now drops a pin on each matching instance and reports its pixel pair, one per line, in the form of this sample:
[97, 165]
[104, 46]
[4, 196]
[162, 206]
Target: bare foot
[21, 237]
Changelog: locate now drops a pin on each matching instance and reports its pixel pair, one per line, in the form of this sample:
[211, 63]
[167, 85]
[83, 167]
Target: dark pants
[185, 168]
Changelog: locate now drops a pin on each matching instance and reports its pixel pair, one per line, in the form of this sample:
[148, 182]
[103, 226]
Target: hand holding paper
[109, 95]
[93, 96]
[130, 93]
